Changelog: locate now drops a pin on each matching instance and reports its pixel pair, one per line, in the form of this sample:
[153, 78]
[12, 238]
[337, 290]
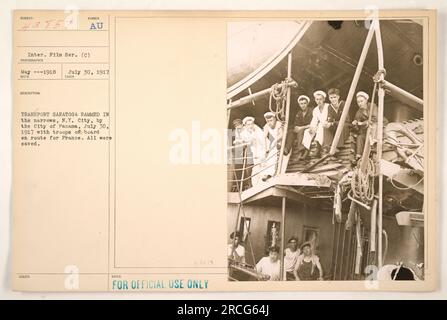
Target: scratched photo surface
[326, 152]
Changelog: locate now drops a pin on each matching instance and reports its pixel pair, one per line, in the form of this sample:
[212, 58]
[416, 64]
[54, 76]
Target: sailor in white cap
[303, 97]
[254, 136]
[247, 120]
[362, 121]
[362, 94]
[320, 93]
[269, 115]
[273, 135]
[318, 123]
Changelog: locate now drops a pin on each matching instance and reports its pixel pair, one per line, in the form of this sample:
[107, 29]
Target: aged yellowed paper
[220, 151]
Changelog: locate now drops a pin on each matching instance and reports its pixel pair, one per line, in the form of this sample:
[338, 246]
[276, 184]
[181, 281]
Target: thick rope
[404, 188]
[280, 99]
[362, 183]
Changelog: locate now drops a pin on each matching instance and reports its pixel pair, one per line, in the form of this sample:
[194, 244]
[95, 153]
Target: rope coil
[362, 183]
[278, 93]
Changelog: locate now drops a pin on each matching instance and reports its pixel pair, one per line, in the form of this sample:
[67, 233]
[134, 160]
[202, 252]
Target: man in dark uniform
[333, 119]
[302, 120]
[365, 117]
[362, 121]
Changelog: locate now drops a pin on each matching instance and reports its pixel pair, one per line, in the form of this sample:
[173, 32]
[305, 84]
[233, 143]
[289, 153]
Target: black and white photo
[326, 150]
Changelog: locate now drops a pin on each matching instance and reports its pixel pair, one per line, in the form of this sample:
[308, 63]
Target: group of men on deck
[318, 125]
[263, 145]
[299, 263]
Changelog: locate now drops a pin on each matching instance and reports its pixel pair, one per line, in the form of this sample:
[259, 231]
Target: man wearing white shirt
[269, 267]
[236, 251]
[290, 258]
[254, 136]
[318, 123]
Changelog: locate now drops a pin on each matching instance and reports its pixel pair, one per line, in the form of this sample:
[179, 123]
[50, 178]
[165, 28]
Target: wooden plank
[258, 188]
[303, 179]
[326, 167]
[286, 179]
[281, 192]
[261, 195]
[292, 194]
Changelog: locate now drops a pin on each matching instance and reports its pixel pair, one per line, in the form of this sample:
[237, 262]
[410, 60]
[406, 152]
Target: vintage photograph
[325, 150]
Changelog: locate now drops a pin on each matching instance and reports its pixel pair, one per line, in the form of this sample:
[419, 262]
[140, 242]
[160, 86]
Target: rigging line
[241, 208]
[404, 188]
[247, 145]
[260, 171]
[251, 166]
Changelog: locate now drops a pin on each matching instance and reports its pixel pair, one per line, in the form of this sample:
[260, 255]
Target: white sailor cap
[244, 121]
[269, 115]
[303, 97]
[362, 94]
[320, 92]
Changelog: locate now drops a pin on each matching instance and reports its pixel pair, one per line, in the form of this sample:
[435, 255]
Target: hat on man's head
[237, 122]
[274, 249]
[233, 234]
[293, 239]
[362, 94]
[305, 244]
[303, 97]
[244, 121]
[320, 92]
[269, 115]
